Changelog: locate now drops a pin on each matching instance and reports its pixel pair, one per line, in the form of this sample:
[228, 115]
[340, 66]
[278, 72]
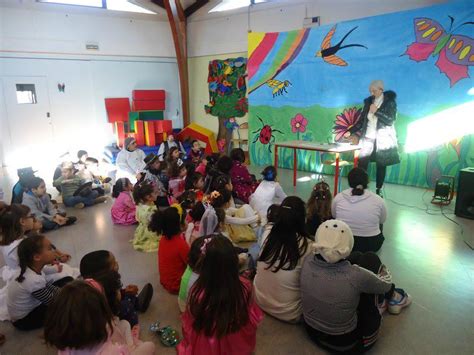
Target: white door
[28, 120]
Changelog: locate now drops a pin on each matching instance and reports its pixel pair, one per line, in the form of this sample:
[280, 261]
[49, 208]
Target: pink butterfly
[456, 52]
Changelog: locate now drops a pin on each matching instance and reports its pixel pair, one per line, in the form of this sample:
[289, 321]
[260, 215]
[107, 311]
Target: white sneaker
[400, 300]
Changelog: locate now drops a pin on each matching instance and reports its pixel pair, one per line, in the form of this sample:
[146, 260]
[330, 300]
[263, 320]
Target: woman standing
[378, 137]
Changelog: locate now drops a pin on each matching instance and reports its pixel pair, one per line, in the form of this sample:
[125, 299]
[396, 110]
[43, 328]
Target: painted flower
[298, 124]
[345, 122]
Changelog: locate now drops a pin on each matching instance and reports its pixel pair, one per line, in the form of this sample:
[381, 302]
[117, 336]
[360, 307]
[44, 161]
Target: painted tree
[227, 95]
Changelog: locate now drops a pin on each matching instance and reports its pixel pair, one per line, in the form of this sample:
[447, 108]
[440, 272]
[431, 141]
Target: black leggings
[35, 319]
[381, 170]
[366, 244]
[364, 336]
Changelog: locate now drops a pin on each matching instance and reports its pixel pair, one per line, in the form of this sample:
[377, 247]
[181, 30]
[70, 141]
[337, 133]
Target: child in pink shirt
[124, 209]
[221, 316]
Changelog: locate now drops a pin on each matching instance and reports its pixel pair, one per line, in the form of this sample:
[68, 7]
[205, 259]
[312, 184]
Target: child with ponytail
[29, 295]
[123, 210]
[318, 207]
[269, 191]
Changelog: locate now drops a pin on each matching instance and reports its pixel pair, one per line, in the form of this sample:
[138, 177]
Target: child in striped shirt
[29, 295]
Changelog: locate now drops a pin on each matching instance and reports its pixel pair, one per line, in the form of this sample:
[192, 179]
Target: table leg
[276, 157]
[356, 158]
[336, 174]
[295, 165]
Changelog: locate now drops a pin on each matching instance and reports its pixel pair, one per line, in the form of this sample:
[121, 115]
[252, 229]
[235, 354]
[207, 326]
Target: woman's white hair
[376, 84]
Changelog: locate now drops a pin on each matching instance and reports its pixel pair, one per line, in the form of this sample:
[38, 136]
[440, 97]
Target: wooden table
[334, 148]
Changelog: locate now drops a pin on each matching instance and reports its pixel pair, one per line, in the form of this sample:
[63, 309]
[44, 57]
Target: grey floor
[425, 252]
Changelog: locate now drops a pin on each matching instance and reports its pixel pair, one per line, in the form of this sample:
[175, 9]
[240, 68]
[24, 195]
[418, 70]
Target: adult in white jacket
[362, 210]
[130, 160]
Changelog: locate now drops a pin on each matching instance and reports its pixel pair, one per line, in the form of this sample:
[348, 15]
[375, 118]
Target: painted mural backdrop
[310, 84]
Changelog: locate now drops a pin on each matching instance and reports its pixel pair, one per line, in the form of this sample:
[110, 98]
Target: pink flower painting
[344, 126]
[298, 124]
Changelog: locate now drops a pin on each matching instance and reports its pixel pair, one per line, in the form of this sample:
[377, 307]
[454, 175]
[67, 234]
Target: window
[93, 3]
[26, 94]
[117, 5]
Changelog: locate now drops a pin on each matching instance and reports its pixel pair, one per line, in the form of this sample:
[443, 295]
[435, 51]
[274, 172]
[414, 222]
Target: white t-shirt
[371, 131]
[20, 300]
[267, 193]
[278, 293]
[363, 214]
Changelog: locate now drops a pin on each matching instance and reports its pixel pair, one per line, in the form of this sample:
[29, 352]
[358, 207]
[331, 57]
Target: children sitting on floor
[201, 167]
[341, 292]
[123, 210]
[40, 205]
[144, 239]
[165, 148]
[244, 183]
[174, 155]
[193, 219]
[177, 173]
[221, 316]
[15, 222]
[318, 207]
[29, 295]
[70, 185]
[99, 262]
[191, 273]
[196, 153]
[195, 182]
[153, 173]
[173, 251]
[241, 223]
[277, 282]
[269, 191]
[80, 321]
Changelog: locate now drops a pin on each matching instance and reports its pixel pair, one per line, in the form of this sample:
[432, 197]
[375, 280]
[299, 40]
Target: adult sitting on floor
[130, 160]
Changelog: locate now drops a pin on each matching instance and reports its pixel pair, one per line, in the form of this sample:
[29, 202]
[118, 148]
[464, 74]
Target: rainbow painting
[277, 50]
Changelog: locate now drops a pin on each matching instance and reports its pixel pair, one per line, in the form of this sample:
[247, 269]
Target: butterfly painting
[455, 52]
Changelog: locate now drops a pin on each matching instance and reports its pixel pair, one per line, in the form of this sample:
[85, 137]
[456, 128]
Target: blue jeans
[88, 200]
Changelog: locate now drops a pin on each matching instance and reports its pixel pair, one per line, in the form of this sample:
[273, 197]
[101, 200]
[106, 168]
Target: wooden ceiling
[188, 11]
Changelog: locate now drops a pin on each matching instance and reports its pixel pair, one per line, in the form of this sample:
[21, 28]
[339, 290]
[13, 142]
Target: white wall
[136, 52]
[220, 33]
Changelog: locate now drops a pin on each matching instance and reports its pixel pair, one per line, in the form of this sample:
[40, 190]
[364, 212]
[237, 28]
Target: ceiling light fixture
[227, 5]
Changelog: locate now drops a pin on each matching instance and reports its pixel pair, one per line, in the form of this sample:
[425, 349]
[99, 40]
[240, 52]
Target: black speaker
[465, 197]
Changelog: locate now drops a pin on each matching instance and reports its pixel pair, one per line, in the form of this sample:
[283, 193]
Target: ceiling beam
[177, 21]
[160, 3]
[194, 7]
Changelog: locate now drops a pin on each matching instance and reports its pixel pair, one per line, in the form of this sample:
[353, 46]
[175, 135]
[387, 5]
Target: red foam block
[145, 95]
[164, 126]
[154, 105]
[117, 109]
